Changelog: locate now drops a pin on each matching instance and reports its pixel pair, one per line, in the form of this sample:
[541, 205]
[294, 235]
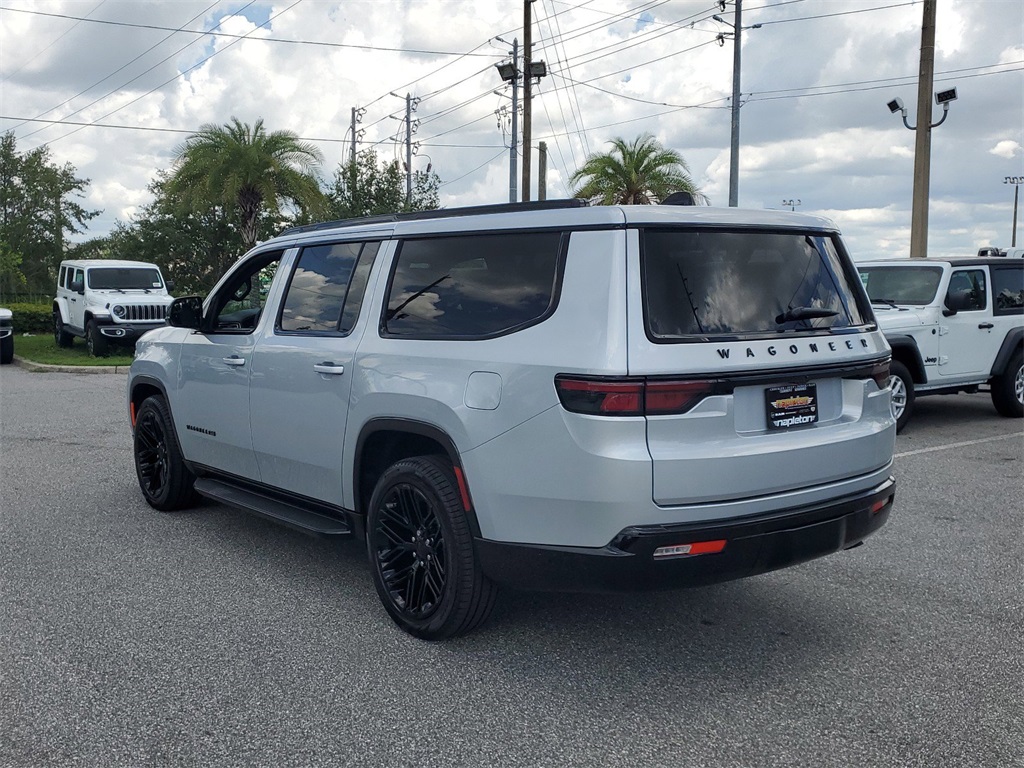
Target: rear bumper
[754, 545]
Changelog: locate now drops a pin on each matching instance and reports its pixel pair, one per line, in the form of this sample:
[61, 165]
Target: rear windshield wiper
[804, 313]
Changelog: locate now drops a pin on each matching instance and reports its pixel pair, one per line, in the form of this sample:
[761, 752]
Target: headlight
[119, 311]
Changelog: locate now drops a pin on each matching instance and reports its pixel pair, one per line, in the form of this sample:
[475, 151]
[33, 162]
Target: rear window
[901, 285]
[702, 283]
[1008, 290]
[472, 286]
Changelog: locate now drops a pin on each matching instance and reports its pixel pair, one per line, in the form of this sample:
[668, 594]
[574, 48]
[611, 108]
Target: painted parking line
[956, 445]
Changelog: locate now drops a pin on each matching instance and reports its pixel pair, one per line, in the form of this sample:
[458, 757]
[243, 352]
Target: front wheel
[1008, 388]
[421, 551]
[164, 479]
[902, 387]
[95, 342]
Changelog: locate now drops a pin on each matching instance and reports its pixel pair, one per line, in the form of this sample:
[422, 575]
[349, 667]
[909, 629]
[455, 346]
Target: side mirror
[78, 286]
[186, 312]
[956, 301]
[169, 284]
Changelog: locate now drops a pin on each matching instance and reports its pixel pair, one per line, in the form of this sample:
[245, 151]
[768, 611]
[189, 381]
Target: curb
[28, 365]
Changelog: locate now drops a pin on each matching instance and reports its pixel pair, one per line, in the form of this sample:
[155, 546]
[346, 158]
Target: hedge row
[32, 318]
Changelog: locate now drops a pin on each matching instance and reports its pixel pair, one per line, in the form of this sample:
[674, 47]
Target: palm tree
[641, 172]
[243, 167]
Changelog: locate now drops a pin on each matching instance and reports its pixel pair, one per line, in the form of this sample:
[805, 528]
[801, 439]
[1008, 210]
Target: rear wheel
[1008, 388]
[95, 341]
[61, 336]
[902, 387]
[164, 479]
[421, 551]
[7, 350]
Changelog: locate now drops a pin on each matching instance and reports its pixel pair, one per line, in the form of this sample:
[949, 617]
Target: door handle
[332, 369]
[234, 360]
[986, 326]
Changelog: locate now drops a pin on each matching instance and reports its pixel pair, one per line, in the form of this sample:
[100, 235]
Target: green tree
[641, 172]
[38, 210]
[247, 172]
[192, 248]
[368, 187]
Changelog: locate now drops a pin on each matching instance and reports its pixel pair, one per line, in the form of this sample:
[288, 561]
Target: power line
[242, 37]
[486, 162]
[56, 40]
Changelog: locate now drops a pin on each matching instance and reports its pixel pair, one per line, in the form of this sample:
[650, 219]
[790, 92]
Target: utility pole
[353, 155]
[734, 143]
[923, 143]
[1016, 181]
[408, 151]
[513, 153]
[542, 171]
[527, 108]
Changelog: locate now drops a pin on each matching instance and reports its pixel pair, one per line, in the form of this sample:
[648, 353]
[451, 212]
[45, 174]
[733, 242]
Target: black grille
[144, 312]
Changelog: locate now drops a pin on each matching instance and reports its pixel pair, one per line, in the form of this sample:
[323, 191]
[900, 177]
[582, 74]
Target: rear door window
[1008, 290]
[472, 286]
[719, 283]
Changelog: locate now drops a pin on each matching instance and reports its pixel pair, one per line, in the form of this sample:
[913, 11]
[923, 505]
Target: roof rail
[439, 213]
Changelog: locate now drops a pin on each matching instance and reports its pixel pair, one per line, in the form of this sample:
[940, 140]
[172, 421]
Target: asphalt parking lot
[211, 638]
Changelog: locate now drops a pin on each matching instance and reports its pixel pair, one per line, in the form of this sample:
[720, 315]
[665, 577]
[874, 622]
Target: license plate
[791, 405]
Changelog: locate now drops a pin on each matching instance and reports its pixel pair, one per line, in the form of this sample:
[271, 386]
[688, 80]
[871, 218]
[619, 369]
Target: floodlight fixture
[944, 97]
[507, 71]
[538, 69]
[896, 105]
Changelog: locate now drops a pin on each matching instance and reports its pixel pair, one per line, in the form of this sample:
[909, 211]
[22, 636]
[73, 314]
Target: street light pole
[923, 143]
[1016, 181]
[792, 204]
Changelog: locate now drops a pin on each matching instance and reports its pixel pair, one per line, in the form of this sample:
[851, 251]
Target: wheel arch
[384, 441]
[60, 307]
[141, 388]
[1013, 342]
[906, 351]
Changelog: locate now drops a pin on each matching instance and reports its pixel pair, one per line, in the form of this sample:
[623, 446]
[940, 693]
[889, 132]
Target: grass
[43, 349]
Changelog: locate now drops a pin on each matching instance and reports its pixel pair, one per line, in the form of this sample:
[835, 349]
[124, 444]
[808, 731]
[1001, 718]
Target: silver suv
[546, 396]
[108, 301]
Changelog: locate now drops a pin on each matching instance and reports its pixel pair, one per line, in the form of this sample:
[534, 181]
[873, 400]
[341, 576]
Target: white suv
[954, 325]
[108, 301]
[547, 396]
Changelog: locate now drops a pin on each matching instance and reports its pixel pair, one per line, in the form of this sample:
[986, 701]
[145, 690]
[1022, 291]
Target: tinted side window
[63, 275]
[238, 305]
[1008, 290]
[698, 283]
[472, 286]
[316, 292]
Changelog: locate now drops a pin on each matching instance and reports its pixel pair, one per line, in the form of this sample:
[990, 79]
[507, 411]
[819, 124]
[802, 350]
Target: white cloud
[841, 153]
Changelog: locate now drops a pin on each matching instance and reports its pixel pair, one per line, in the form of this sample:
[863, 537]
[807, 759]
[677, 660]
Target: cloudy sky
[113, 87]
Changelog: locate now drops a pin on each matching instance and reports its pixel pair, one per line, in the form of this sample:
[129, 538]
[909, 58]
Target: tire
[1008, 388]
[61, 336]
[902, 386]
[95, 342]
[421, 551]
[165, 481]
[7, 350]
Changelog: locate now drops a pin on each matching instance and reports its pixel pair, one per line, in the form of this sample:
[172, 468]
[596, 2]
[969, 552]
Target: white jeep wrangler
[107, 301]
[954, 325]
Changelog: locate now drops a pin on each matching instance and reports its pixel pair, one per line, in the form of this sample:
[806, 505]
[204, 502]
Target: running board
[283, 512]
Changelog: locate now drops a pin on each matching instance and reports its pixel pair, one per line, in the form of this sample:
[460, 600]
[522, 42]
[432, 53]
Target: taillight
[880, 373]
[620, 397]
[630, 397]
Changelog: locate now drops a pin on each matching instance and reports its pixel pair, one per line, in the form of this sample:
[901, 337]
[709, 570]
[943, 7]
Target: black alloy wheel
[421, 551]
[61, 336]
[165, 481]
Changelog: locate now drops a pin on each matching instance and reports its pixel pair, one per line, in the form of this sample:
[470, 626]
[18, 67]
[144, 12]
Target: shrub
[32, 318]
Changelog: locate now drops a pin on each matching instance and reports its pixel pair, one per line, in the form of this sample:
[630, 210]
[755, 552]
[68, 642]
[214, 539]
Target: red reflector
[689, 550]
[131, 411]
[463, 490]
[878, 506]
